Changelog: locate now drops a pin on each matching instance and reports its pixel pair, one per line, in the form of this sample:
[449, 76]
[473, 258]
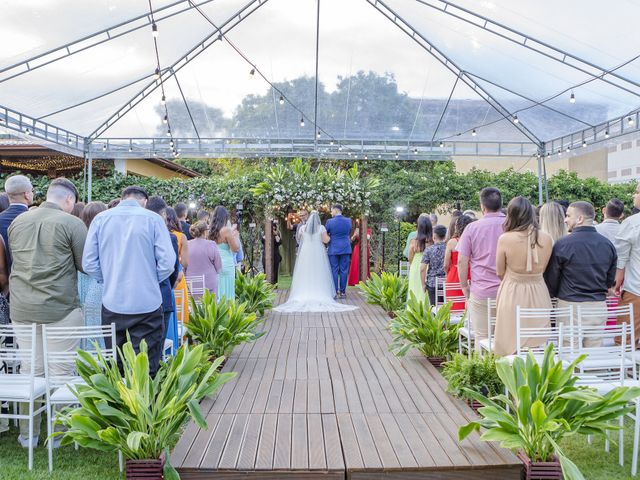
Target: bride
[312, 288]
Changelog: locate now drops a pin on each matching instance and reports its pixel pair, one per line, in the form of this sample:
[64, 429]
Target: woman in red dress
[451, 260]
[354, 269]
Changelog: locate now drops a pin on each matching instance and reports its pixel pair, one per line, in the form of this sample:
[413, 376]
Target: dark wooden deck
[320, 397]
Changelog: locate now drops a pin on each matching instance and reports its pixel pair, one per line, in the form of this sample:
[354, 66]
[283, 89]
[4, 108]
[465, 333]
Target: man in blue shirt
[129, 249]
[339, 251]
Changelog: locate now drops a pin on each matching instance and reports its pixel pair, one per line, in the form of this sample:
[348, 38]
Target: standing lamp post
[383, 230]
[399, 214]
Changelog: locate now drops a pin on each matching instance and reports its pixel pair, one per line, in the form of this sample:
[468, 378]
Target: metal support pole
[383, 230]
[398, 249]
[315, 103]
[89, 175]
[364, 250]
[540, 183]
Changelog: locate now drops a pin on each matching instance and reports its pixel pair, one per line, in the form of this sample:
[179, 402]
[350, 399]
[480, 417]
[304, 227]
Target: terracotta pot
[145, 469]
[437, 361]
[540, 470]
[474, 404]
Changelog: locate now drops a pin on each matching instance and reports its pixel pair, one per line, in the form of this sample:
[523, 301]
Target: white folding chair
[542, 335]
[439, 293]
[22, 386]
[484, 345]
[58, 391]
[195, 286]
[403, 269]
[180, 314]
[457, 311]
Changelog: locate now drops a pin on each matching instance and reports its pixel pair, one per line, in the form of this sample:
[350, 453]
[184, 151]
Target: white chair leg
[15, 412]
[636, 437]
[120, 461]
[589, 439]
[606, 442]
[30, 439]
[49, 432]
[621, 442]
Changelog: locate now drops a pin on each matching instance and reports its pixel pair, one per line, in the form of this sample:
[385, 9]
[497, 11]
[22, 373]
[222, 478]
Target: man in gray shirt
[612, 215]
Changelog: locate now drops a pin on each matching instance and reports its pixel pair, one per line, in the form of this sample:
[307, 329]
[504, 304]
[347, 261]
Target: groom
[339, 230]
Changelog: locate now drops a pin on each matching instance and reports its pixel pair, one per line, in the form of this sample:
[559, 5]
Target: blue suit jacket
[6, 218]
[339, 229]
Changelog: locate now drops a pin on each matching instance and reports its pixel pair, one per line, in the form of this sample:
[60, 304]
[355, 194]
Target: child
[433, 262]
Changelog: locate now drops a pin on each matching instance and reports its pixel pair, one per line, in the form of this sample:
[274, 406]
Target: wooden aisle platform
[320, 397]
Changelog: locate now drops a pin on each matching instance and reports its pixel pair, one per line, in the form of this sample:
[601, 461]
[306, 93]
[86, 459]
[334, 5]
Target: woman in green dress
[423, 239]
[227, 238]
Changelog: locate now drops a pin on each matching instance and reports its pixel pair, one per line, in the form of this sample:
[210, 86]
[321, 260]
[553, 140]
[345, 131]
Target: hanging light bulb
[331, 142]
[340, 148]
[171, 143]
[165, 119]
[318, 134]
[366, 157]
[157, 73]
[473, 132]
[104, 147]
[252, 72]
[584, 143]
[168, 132]
[154, 30]
[130, 149]
[515, 119]
[572, 98]
[26, 131]
[630, 121]
[441, 144]
[164, 99]
[281, 100]
[302, 121]
[397, 156]
[559, 153]
[568, 148]
[606, 134]
[415, 151]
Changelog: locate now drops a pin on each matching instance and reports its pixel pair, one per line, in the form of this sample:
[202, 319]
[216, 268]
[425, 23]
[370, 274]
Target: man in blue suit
[20, 192]
[339, 230]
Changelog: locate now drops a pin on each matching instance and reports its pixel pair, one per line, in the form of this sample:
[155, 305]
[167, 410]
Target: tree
[209, 120]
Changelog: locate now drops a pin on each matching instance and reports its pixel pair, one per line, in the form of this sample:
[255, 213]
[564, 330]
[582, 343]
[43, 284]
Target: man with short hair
[613, 213]
[181, 212]
[129, 250]
[582, 268]
[20, 193]
[477, 249]
[627, 243]
[47, 246]
[339, 251]
[203, 216]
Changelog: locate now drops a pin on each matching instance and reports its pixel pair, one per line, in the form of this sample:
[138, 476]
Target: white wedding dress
[312, 288]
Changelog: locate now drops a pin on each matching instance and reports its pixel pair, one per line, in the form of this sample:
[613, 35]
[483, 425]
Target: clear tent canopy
[399, 79]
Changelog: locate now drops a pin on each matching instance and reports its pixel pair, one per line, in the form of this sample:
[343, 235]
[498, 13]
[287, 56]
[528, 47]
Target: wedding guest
[173, 224]
[411, 236]
[131, 296]
[4, 202]
[204, 257]
[452, 223]
[470, 213]
[354, 269]
[433, 262]
[417, 246]
[47, 254]
[477, 251]
[20, 193]
[113, 203]
[339, 250]
[522, 256]
[77, 210]
[227, 238]
[296, 228]
[613, 213]
[451, 259]
[203, 216]
[181, 211]
[552, 220]
[276, 242]
[582, 267]
[434, 219]
[627, 245]
[89, 289]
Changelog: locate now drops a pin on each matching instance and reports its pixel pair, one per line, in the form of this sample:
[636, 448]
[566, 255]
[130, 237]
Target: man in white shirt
[627, 243]
[613, 213]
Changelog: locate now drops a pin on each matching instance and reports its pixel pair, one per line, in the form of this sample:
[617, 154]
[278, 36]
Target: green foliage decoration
[475, 372]
[220, 326]
[132, 413]
[543, 406]
[256, 292]
[432, 334]
[386, 290]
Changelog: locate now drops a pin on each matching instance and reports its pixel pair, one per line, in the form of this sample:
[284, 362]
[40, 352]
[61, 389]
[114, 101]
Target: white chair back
[86, 333]
[604, 363]
[459, 301]
[195, 285]
[543, 336]
[179, 297]
[14, 356]
[404, 268]
[439, 292]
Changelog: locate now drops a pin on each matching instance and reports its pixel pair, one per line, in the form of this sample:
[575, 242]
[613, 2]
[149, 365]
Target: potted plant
[221, 325]
[256, 292]
[544, 405]
[134, 414]
[476, 373]
[418, 327]
[387, 290]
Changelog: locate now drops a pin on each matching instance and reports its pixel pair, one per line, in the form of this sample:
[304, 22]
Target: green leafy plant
[134, 414]
[222, 325]
[387, 290]
[477, 373]
[544, 405]
[418, 327]
[256, 292]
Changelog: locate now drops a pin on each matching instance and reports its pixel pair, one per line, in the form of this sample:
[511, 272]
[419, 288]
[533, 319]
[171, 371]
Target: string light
[473, 132]
[415, 151]
[630, 121]
[104, 147]
[154, 30]
[318, 134]
[331, 143]
[26, 131]
[157, 73]
[302, 121]
[281, 100]
[169, 132]
[130, 149]
[515, 119]
[584, 143]
[165, 119]
[164, 100]
[572, 98]
[606, 134]
[252, 72]
[340, 148]
[568, 148]
[441, 144]
[366, 157]
[397, 156]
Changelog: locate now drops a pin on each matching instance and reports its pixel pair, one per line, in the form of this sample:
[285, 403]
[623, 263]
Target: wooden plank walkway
[320, 396]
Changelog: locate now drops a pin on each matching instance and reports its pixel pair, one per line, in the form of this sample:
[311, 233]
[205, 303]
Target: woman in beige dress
[522, 256]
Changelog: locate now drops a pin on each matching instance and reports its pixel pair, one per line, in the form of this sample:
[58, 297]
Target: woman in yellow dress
[173, 224]
[423, 239]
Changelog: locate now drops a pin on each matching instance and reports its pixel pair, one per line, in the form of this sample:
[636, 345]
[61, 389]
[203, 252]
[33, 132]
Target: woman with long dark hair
[522, 256]
[451, 258]
[227, 238]
[424, 238]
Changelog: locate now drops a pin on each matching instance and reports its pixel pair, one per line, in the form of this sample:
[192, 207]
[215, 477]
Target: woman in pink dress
[204, 257]
[451, 260]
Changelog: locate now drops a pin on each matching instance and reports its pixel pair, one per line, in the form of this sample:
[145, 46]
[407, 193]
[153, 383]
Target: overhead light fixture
[302, 121]
[164, 100]
[572, 98]
[441, 144]
[130, 149]
[104, 147]
[281, 100]
[568, 148]
[252, 72]
[331, 142]
[397, 156]
[606, 134]
[630, 121]
[165, 119]
[154, 30]
[584, 143]
[415, 151]
[169, 132]
[157, 73]
[515, 119]
[473, 132]
[340, 148]
[318, 134]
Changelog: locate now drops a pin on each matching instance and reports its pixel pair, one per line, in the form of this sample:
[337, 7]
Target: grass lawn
[284, 282]
[68, 464]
